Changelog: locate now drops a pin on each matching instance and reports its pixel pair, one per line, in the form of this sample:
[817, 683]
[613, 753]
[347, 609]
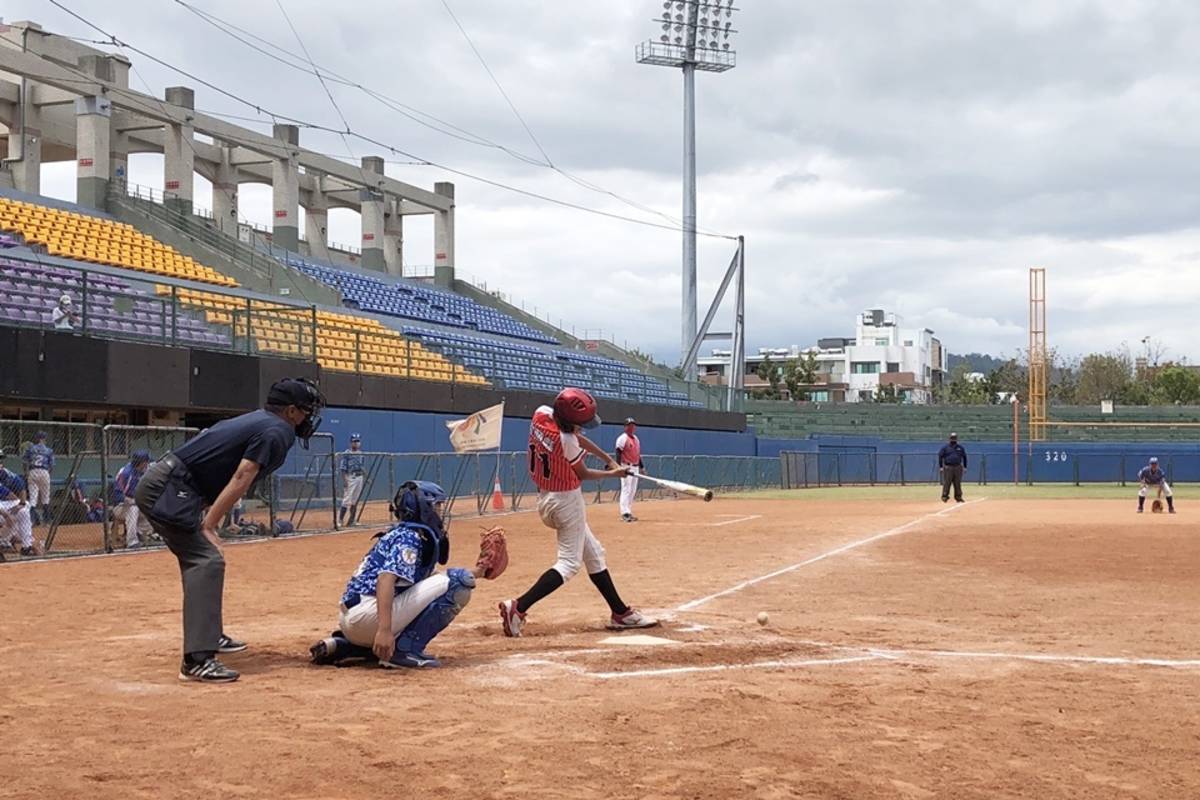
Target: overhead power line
[275, 116]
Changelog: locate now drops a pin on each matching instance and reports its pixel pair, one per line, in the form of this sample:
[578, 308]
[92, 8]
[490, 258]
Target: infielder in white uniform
[629, 454]
[352, 479]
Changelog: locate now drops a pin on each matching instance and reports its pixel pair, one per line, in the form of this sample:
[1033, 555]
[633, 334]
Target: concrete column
[316, 220]
[118, 157]
[393, 237]
[225, 194]
[372, 217]
[25, 154]
[179, 157]
[285, 185]
[443, 239]
[93, 130]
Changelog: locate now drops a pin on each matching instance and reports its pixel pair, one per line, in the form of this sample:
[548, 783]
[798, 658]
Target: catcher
[1151, 475]
[396, 601]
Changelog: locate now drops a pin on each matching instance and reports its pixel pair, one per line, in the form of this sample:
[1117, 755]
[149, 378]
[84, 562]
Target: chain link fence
[84, 513]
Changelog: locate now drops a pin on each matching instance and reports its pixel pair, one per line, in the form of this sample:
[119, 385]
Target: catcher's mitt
[493, 553]
[1156, 507]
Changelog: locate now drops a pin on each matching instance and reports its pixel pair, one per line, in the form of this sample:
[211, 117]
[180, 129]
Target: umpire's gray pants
[200, 563]
[952, 476]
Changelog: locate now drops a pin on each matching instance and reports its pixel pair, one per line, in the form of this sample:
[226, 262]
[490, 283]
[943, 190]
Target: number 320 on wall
[1056, 455]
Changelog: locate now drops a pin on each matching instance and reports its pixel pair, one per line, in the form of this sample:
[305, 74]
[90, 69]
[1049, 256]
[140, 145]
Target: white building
[882, 352]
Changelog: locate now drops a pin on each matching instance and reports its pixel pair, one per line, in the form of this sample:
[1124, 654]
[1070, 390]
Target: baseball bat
[680, 486]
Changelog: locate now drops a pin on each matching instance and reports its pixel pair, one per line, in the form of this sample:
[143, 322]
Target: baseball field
[1028, 643]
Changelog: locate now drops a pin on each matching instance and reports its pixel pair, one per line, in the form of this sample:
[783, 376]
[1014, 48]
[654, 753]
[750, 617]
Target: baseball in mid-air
[762, 618]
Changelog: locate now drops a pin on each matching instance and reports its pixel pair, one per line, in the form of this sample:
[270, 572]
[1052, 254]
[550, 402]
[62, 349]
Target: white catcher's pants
[39, 487]
[19, 525]
[137, 527]
[629, 486]
[1166, 489]
[360, 623]
[351, 489]
[566, 513]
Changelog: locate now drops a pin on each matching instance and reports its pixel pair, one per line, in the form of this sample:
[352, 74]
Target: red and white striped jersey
[631, 449]
[552, 454]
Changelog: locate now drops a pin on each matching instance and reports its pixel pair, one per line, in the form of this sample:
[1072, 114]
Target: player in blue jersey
[1150, 475]
[397, 601]
[352, 463]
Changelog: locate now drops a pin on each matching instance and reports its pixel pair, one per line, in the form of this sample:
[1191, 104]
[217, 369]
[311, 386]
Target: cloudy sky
[916, 156]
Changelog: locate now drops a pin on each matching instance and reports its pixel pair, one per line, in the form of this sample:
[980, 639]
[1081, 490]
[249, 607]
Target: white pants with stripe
[359, 624]
[137, 527]
[19, 526]
[629, 487]
[351, 489]
[566, 513]
[39, 487]
[1147, 487]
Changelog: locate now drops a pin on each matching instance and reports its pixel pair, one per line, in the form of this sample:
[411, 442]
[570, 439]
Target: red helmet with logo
[576, 407]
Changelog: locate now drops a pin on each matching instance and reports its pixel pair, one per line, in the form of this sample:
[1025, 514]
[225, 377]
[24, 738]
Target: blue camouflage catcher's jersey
[407, 551]
[11, 485]
[1152, 478]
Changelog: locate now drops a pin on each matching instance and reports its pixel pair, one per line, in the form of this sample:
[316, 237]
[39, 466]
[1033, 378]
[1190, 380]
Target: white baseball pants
[1166, 489]
[629, 486]
[19, 525]
[360, 623]
[351, 489]
[137, 527]
[39, 487]
[566, 513]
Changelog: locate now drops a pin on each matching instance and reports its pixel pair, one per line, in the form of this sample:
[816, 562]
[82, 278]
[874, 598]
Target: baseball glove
[493, 553]
[1156, 507]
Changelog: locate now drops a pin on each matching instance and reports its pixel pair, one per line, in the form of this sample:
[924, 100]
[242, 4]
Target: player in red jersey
[556, 464]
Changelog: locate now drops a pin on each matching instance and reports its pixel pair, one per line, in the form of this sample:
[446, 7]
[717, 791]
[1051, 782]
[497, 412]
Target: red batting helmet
[576, 407]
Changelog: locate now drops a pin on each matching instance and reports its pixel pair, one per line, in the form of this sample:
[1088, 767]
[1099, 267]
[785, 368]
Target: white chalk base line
[896, 531]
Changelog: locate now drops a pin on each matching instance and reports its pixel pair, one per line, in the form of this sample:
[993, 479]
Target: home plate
[638, 639]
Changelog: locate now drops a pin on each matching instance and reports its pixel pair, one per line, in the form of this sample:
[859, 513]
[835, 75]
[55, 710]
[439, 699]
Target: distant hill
[976, 362]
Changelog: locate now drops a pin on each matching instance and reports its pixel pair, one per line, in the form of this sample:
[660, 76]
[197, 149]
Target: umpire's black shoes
[207, 671]
[227, 644]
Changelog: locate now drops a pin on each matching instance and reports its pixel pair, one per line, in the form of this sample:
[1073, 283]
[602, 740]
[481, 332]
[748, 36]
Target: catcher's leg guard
[437, 615]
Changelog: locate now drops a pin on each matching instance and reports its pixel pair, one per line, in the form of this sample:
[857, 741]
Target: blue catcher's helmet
[417, 501]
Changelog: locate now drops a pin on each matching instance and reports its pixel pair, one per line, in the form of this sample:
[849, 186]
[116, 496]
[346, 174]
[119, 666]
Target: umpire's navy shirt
[213, 456]
[951, 455]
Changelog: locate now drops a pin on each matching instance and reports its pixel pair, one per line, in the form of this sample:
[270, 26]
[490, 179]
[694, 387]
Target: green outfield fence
[304, 495]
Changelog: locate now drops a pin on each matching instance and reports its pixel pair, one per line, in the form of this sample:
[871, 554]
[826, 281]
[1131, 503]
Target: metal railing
[803, 470]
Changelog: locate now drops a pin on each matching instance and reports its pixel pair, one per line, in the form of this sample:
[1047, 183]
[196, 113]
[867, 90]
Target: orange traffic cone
[497, 496]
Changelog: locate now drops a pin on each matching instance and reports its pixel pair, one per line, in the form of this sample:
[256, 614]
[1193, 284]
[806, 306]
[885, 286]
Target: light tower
[695, 36]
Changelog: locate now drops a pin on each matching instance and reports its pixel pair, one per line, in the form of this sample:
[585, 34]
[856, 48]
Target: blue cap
[354, 437]
[1153, 459]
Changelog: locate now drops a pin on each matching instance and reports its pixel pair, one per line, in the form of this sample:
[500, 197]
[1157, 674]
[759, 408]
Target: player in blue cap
[124, 509]
[1151, 475]
[397, 601]
[351, 467]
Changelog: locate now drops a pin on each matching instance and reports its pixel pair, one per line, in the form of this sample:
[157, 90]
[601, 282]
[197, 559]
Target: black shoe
[945, 499]
[959, 500]
[28, 551]
[227, 644]
[627, 517]
[328, 650]
[208, 671]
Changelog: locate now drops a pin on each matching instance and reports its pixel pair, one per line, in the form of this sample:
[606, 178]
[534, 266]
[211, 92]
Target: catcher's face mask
[422, 502]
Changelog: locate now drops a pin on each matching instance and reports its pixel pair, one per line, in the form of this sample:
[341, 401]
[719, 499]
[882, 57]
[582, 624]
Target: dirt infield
[1001, 648]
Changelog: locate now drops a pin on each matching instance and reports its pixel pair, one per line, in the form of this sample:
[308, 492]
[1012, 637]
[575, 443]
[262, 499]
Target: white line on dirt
[733, 521]
[784, 663]
[693, 604]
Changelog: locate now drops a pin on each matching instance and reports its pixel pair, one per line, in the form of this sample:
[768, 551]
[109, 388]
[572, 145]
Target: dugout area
[1024, 645]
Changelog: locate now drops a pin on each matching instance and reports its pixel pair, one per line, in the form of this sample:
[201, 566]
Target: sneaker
[134, 546]
[1139, 511]
[208, 671]
[28, 551]
[401, 660]
[227, 644]
[632, 518]
[1170, 511]
[627, 517]
[513, 619]
[630, 619]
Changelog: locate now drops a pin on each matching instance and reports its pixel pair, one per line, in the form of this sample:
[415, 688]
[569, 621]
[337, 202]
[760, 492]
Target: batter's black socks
[603, 582]
[547, 583]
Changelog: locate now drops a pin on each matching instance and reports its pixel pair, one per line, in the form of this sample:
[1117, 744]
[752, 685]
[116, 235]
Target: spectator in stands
[952, 461]
[16, 527]
[352, 479]
[39, 461]
[64, 316]
[125, 510]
